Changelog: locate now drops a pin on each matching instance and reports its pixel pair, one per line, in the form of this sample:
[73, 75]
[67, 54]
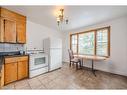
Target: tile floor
[68, 78]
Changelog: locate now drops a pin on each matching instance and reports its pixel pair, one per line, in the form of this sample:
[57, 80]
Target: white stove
[38, 63]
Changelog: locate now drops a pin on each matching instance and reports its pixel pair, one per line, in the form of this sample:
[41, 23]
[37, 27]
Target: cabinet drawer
[10, 60]
[23, 58]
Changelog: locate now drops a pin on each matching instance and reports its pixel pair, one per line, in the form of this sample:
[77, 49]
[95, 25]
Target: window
[86, 43]
[74, 43]
[102, 42]
[94, 42]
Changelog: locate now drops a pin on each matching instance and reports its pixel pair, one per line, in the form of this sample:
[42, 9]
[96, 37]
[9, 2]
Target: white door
[55, 59]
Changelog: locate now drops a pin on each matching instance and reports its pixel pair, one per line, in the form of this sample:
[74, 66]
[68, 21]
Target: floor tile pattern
[70, 78]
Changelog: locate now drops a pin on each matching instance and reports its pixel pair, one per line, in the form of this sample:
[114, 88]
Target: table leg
[81, 63]
[93, 71]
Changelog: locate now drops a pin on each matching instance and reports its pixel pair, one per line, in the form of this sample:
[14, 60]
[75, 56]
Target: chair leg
[70, 64]
[76, 66]
[73, 64]
[80, 64]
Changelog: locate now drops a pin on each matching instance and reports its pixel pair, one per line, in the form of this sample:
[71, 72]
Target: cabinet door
[1, 30]
[21, 31]
[10, 72]
[2, 77]
[9, 31]
[22, 69]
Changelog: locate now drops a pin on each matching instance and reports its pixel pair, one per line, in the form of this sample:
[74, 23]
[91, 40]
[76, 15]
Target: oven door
[38, 61]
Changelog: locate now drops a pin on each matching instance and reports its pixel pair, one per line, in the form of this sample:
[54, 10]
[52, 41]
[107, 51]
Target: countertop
[8, 56]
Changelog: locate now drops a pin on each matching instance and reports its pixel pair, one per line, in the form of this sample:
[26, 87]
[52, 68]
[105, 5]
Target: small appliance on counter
[22, 52]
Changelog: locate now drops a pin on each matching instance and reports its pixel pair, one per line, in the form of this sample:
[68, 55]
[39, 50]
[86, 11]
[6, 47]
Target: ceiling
[79, 16]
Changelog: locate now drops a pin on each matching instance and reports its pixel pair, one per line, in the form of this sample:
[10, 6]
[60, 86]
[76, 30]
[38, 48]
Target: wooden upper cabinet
[12, 27]
[1, 30]
[21, 28]
[21, 31]
[9, 31]
[7, 14]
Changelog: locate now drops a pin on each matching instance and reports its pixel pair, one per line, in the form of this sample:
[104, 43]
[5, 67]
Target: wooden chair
[74, 60]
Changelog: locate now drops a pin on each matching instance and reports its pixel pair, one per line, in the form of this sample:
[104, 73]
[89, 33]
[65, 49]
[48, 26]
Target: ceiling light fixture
[60, 18]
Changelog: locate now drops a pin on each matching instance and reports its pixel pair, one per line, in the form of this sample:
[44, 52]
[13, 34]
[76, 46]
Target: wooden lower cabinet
[22, 69]
[10, 72]
[15, 69]
[2, 77]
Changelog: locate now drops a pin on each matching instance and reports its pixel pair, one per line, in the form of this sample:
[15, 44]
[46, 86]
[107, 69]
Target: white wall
[117, 63]
[36, 33]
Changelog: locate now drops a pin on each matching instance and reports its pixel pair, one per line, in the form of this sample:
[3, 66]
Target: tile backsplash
[11, 47]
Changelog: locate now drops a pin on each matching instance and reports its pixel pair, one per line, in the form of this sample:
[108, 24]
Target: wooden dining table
[92, 58]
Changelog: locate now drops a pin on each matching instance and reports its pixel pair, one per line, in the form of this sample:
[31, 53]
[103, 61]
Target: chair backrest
[71, 56]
